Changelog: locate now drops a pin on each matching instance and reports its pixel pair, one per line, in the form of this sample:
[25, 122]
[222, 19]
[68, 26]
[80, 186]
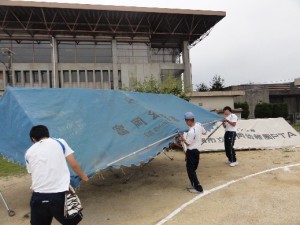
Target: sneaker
[193, 190]
[228, 162]
[234, 164]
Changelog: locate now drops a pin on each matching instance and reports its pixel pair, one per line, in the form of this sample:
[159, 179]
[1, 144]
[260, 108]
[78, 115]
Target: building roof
[218, 93]
[161, 27]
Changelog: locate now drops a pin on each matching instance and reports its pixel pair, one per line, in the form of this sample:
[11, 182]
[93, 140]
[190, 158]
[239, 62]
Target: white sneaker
[193, 190]
[228, 162]
[234, 164]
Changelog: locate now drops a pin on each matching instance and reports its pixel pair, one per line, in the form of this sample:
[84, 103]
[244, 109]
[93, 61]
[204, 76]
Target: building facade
[59, 45]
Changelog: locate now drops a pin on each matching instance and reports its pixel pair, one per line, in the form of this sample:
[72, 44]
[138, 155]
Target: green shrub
[280, 110]
[245, 107]
[271, 110]
[263, 110]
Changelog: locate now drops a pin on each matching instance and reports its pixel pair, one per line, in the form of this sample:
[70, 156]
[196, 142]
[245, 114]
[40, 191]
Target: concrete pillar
[115, 64]
[13, 78]
[31, 78]
[40, 78]
[187, 77]
[54, 63]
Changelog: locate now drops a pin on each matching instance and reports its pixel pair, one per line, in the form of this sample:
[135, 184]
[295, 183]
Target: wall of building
[83, 75]
[104, 65]
[252, 96]
[214, 102]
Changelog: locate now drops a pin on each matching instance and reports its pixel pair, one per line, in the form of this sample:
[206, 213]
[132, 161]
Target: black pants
[45, 206]
[229, 140]
[192, 162]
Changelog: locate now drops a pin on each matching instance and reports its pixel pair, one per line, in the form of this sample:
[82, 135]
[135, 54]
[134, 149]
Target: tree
[217, 83]
[170, 85]
[202, 87]
[245, 107]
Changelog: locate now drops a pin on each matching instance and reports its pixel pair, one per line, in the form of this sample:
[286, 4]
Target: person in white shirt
[46, 161]
[193, 141]
[229, 123]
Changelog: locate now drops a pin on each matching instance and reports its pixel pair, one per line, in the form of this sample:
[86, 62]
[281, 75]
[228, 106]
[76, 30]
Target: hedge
[245, 107]
[271, 110]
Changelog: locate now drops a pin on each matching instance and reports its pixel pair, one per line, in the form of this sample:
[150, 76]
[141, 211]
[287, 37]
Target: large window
[165, 55]
[84, 52]
[66, 52]
[132, 52]
[30, 51]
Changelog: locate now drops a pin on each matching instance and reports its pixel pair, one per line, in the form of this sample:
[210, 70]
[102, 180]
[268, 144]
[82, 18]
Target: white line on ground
[207, 192]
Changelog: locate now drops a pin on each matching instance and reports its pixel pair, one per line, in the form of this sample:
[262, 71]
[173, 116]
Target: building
[288, 93]
[215, 101]
[59, 45]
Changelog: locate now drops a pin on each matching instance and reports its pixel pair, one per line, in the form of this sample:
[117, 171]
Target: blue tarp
[105, 128]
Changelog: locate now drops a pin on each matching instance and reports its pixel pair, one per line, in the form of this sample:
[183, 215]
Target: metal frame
[162, 29]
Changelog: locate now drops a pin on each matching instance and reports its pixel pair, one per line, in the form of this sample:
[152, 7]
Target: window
[66, 52]
[44, 76]
[42, 51]
[82, 75]
[74, 76]
[35, 76]
[97, 76]
[26, 76]
[18, 76]
[105, 76]
[66, 76]
[90, 76]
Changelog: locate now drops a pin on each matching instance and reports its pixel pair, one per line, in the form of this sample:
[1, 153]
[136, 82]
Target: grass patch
[297, 127]
[10, 169]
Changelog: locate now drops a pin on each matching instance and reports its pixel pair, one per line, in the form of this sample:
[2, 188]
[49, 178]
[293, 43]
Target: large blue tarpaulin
[105, 128]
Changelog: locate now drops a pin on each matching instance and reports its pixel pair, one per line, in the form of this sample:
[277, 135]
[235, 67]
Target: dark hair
[227, 108]
[39, 132]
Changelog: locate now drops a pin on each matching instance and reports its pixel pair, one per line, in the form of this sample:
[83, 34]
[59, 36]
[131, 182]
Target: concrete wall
[253, 96]
[214, 102]
[127, 71]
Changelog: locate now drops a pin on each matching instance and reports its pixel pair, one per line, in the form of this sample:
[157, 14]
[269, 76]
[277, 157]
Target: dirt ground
[157, 189]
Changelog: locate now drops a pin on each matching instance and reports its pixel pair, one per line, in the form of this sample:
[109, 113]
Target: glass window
[105, 76]
[103, 52]
[18, 76]
[26, 76]
[97, 76]
[66, 52]
[44, 76]
[85, 52]
[66, 76]
[74, 76]
[23, 51]
[42, 52]
[90, 76]
[82, 75]
[35, 76]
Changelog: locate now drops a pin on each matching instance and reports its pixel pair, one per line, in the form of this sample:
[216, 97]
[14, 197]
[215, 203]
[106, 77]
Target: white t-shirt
[194, 136]
[46, 162]
[232, 118]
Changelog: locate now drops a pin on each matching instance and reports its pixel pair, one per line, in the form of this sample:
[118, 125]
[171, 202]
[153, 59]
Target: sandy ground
[157, 189]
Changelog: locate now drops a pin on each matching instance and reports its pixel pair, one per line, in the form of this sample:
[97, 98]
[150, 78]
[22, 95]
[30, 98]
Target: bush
[170, 85]
[280, 110]
[245, 107]
[263, 110]
[269, 110]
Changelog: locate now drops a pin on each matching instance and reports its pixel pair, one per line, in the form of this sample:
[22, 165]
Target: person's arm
[76, 167]
[203, 130]
[230, 122]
